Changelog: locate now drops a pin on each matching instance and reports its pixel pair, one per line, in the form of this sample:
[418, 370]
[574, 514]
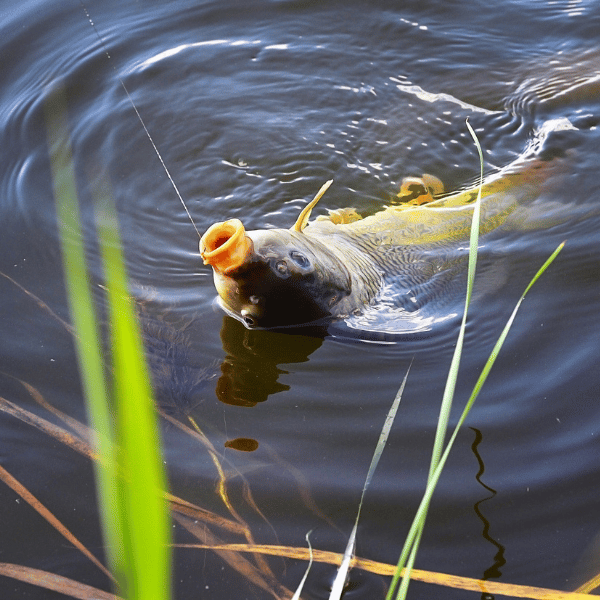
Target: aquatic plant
[439, 453]
[129, 472]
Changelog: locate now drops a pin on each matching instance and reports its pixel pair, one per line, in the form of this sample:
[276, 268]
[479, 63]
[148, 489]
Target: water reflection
[248, 374]
[250, 369]
[242, 444]
[494, 570]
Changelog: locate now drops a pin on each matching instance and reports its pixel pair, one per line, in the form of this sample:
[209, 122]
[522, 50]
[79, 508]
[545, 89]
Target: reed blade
[342, 574]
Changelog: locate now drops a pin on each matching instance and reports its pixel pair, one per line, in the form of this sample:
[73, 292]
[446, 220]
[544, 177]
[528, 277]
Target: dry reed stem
[378, 568]
[229, 554]
[20, 489]
[55, 583]
[73, 442]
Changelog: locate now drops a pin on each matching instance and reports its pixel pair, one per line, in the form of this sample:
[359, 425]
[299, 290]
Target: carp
[338, 265]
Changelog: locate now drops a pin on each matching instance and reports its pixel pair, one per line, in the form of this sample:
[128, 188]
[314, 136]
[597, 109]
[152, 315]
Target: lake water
[253, 106]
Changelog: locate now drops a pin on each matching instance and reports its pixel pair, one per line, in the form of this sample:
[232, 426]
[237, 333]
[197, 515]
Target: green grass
[440, 453]
[399, 589]
[130, 475]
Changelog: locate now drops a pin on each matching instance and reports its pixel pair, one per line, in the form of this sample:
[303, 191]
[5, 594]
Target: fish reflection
[248, 374]
[250, 370]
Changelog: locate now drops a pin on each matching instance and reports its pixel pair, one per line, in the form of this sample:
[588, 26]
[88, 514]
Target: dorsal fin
[302, 220]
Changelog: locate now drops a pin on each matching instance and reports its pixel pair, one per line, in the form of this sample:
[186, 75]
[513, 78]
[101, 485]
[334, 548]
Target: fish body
[335, 267]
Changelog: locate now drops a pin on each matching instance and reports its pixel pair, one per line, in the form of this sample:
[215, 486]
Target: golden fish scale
[406, 229]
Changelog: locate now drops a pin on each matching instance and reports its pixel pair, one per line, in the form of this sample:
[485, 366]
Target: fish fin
[341, 216]
[434, 185]
[420, 190]
[302, 220]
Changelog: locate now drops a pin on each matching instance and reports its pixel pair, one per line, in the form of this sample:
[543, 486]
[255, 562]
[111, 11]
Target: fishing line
[139, 116]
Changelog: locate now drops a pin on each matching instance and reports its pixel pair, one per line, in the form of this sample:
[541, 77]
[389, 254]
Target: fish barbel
[335, 266]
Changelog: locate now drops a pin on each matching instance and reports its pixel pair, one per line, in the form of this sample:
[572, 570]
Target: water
[253, 106]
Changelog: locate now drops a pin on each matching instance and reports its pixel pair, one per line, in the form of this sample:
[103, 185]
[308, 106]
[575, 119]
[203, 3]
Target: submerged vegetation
[124, 445]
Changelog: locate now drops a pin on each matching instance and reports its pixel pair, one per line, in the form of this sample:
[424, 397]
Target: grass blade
[342, 574]
[477, 388]
[411, 544]
[297, 593]
[87, 341]
[422, 510]
[455, 364]
[130, 473]
[144, 507]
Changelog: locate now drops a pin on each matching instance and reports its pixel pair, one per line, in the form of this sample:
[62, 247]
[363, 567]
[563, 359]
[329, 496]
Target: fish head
[275, 277]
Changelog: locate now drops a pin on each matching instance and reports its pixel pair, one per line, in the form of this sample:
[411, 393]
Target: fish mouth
[225, 246]
[257, 313]
[248, 321]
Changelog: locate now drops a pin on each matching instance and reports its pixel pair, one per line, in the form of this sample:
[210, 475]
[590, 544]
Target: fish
[337, 266]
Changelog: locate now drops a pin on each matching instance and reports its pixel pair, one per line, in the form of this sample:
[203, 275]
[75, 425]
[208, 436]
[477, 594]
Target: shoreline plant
[130, 474]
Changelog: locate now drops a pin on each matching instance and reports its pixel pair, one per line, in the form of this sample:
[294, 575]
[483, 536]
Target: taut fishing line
[162, 162]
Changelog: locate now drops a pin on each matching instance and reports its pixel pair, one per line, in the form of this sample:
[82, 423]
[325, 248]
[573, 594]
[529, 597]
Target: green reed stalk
[438, 460]
[411, 546]
[130, 474]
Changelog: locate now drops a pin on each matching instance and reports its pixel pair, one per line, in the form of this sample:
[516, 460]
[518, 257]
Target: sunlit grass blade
[422, 510]
[495, 351]
[342, 574]
[480, 586]
[455, 364]
[590, 585]
[87, 338]
[411, 545]
[73, 589]
[131, 479]
[145, 510]
[409, 550]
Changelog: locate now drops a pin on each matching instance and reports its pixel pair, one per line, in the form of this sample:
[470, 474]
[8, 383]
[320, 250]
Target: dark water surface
[253, 106]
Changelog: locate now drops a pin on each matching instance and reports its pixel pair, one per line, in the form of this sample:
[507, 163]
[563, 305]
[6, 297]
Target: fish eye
[299, 259]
